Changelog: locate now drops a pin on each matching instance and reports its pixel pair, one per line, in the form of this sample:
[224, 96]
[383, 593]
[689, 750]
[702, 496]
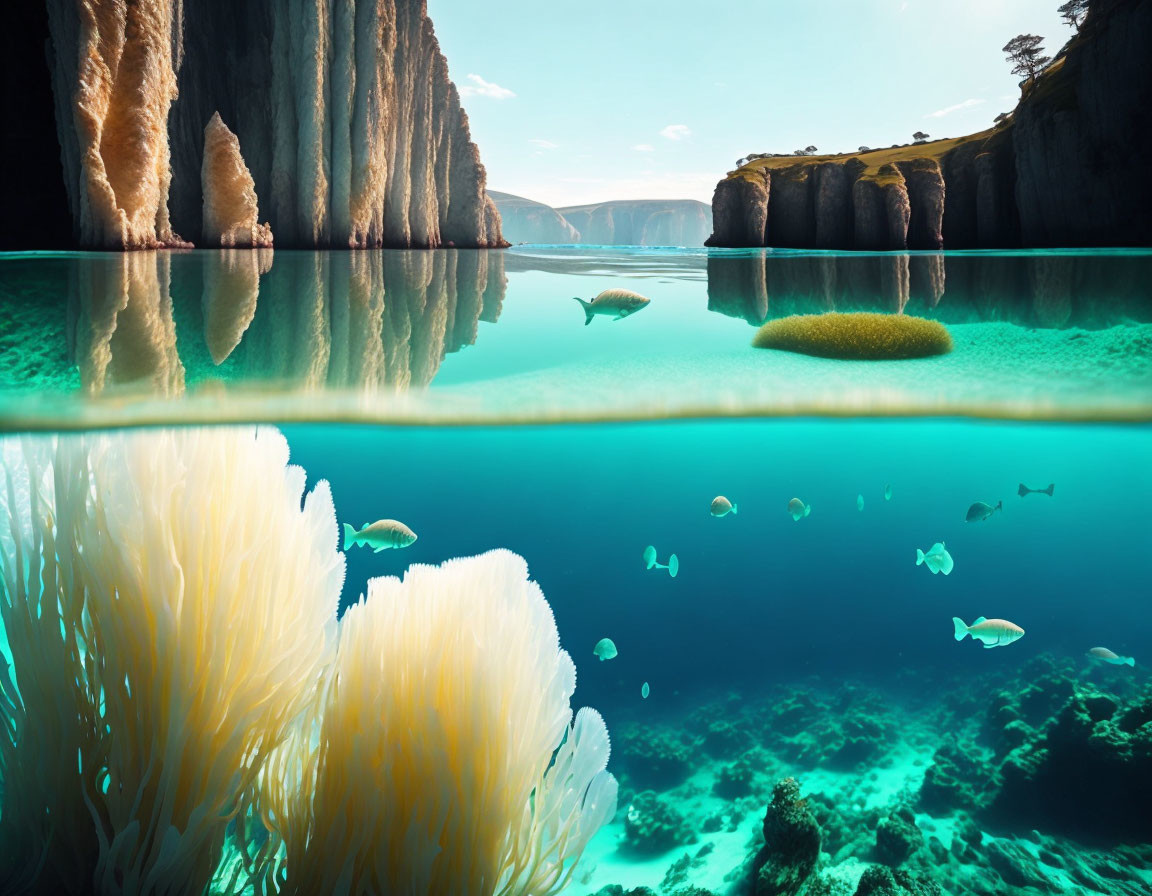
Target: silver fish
[379, 536]
[617, 303]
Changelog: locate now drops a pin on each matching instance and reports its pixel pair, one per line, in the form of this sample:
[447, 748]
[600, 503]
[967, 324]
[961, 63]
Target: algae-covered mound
[860, 335]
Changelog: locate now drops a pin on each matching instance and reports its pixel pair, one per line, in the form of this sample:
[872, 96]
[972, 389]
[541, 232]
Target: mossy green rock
[860, 336]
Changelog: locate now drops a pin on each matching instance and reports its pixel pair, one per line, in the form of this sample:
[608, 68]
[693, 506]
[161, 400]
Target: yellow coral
[857, 336]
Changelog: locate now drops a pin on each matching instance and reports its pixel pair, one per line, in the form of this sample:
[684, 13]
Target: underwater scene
[403, 572]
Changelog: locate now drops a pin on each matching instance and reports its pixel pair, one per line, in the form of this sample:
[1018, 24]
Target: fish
[604, 649]
[992, 632]
[1104, 655]
[936, 558]
[887, 493]
[380, 535]
[644, 690]
[721, 506]
[673, 564]
[1024, 490]
[981, 511]
[618, 303]
[798, 508]
[859, 502]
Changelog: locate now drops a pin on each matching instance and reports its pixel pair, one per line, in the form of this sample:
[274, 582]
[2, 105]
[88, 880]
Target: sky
[578, 102]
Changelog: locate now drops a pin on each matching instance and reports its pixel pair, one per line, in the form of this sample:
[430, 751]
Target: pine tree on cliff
[1073, 12]
[1024, 52]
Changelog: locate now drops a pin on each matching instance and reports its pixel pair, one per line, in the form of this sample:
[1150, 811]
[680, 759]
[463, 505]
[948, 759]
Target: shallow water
[815, 649]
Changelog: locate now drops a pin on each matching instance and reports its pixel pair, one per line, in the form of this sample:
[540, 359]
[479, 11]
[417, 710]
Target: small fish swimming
[981, 511]
[380, 535]
[936, 558]
[992, 632]
[1024, 490]
[798, 509]
[673, 565]
[1104, 655]
[644, 690]
[721, 506]
[887, 493]
[859, 502]
[618, 303]
[604, 649]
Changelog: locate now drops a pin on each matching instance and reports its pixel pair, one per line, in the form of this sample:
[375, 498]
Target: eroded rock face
[1068, 169]
[353, 134]
[740, 211]
[114, 77]
[231, 212]
[791, 844]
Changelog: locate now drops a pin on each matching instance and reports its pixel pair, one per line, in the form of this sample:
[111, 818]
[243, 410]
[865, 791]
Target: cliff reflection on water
[1033, 289]
[289, 320]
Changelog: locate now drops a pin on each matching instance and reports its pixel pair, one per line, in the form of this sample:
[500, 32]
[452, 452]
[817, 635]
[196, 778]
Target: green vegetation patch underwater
[860, 335]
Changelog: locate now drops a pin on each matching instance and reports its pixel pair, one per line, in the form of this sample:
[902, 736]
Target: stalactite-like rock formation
[353, 134]
[231, 210]
[1069, 168]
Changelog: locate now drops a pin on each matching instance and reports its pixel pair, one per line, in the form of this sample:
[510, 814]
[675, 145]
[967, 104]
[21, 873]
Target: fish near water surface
[1104, 655]
[615, 303]
[936, 558]
[1024, 490]
[981, 511]
[380, 535]
[991, 632]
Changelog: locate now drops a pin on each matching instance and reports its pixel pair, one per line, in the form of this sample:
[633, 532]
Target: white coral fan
[447, 761]
[170, 606]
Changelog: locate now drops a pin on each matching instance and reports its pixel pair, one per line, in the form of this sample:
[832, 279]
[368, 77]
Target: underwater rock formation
[652, 756]
[1068, 168]
[231, 213]
[791, 848]
[352, 131]
[1094, 752]
[881, 881]
[653, 826]
[898, 837]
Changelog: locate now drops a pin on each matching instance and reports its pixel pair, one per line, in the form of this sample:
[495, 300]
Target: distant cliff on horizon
[1068, 167]
[623, 222]
[331, 127]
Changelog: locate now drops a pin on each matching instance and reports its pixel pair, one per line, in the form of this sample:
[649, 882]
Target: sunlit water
[814, 648]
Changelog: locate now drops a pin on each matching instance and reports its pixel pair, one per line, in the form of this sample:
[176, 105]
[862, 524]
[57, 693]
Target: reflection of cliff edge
[1050, 290]
[346, 320]
[1068, 168]
[344, 115]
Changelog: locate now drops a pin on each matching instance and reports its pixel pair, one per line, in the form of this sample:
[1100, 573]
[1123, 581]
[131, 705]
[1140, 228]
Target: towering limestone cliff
[343, 110]
[1068, 168]
[526, 221]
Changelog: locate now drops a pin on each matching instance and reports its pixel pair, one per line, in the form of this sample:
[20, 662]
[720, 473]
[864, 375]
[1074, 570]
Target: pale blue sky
[574, 102]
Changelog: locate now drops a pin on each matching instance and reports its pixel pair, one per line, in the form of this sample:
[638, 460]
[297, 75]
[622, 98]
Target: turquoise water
[814, 649]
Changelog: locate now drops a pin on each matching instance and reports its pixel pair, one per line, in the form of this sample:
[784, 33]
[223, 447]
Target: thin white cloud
[948, 110]
[544, 144]
[644, 147]
[676, 132]
[480, 87]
